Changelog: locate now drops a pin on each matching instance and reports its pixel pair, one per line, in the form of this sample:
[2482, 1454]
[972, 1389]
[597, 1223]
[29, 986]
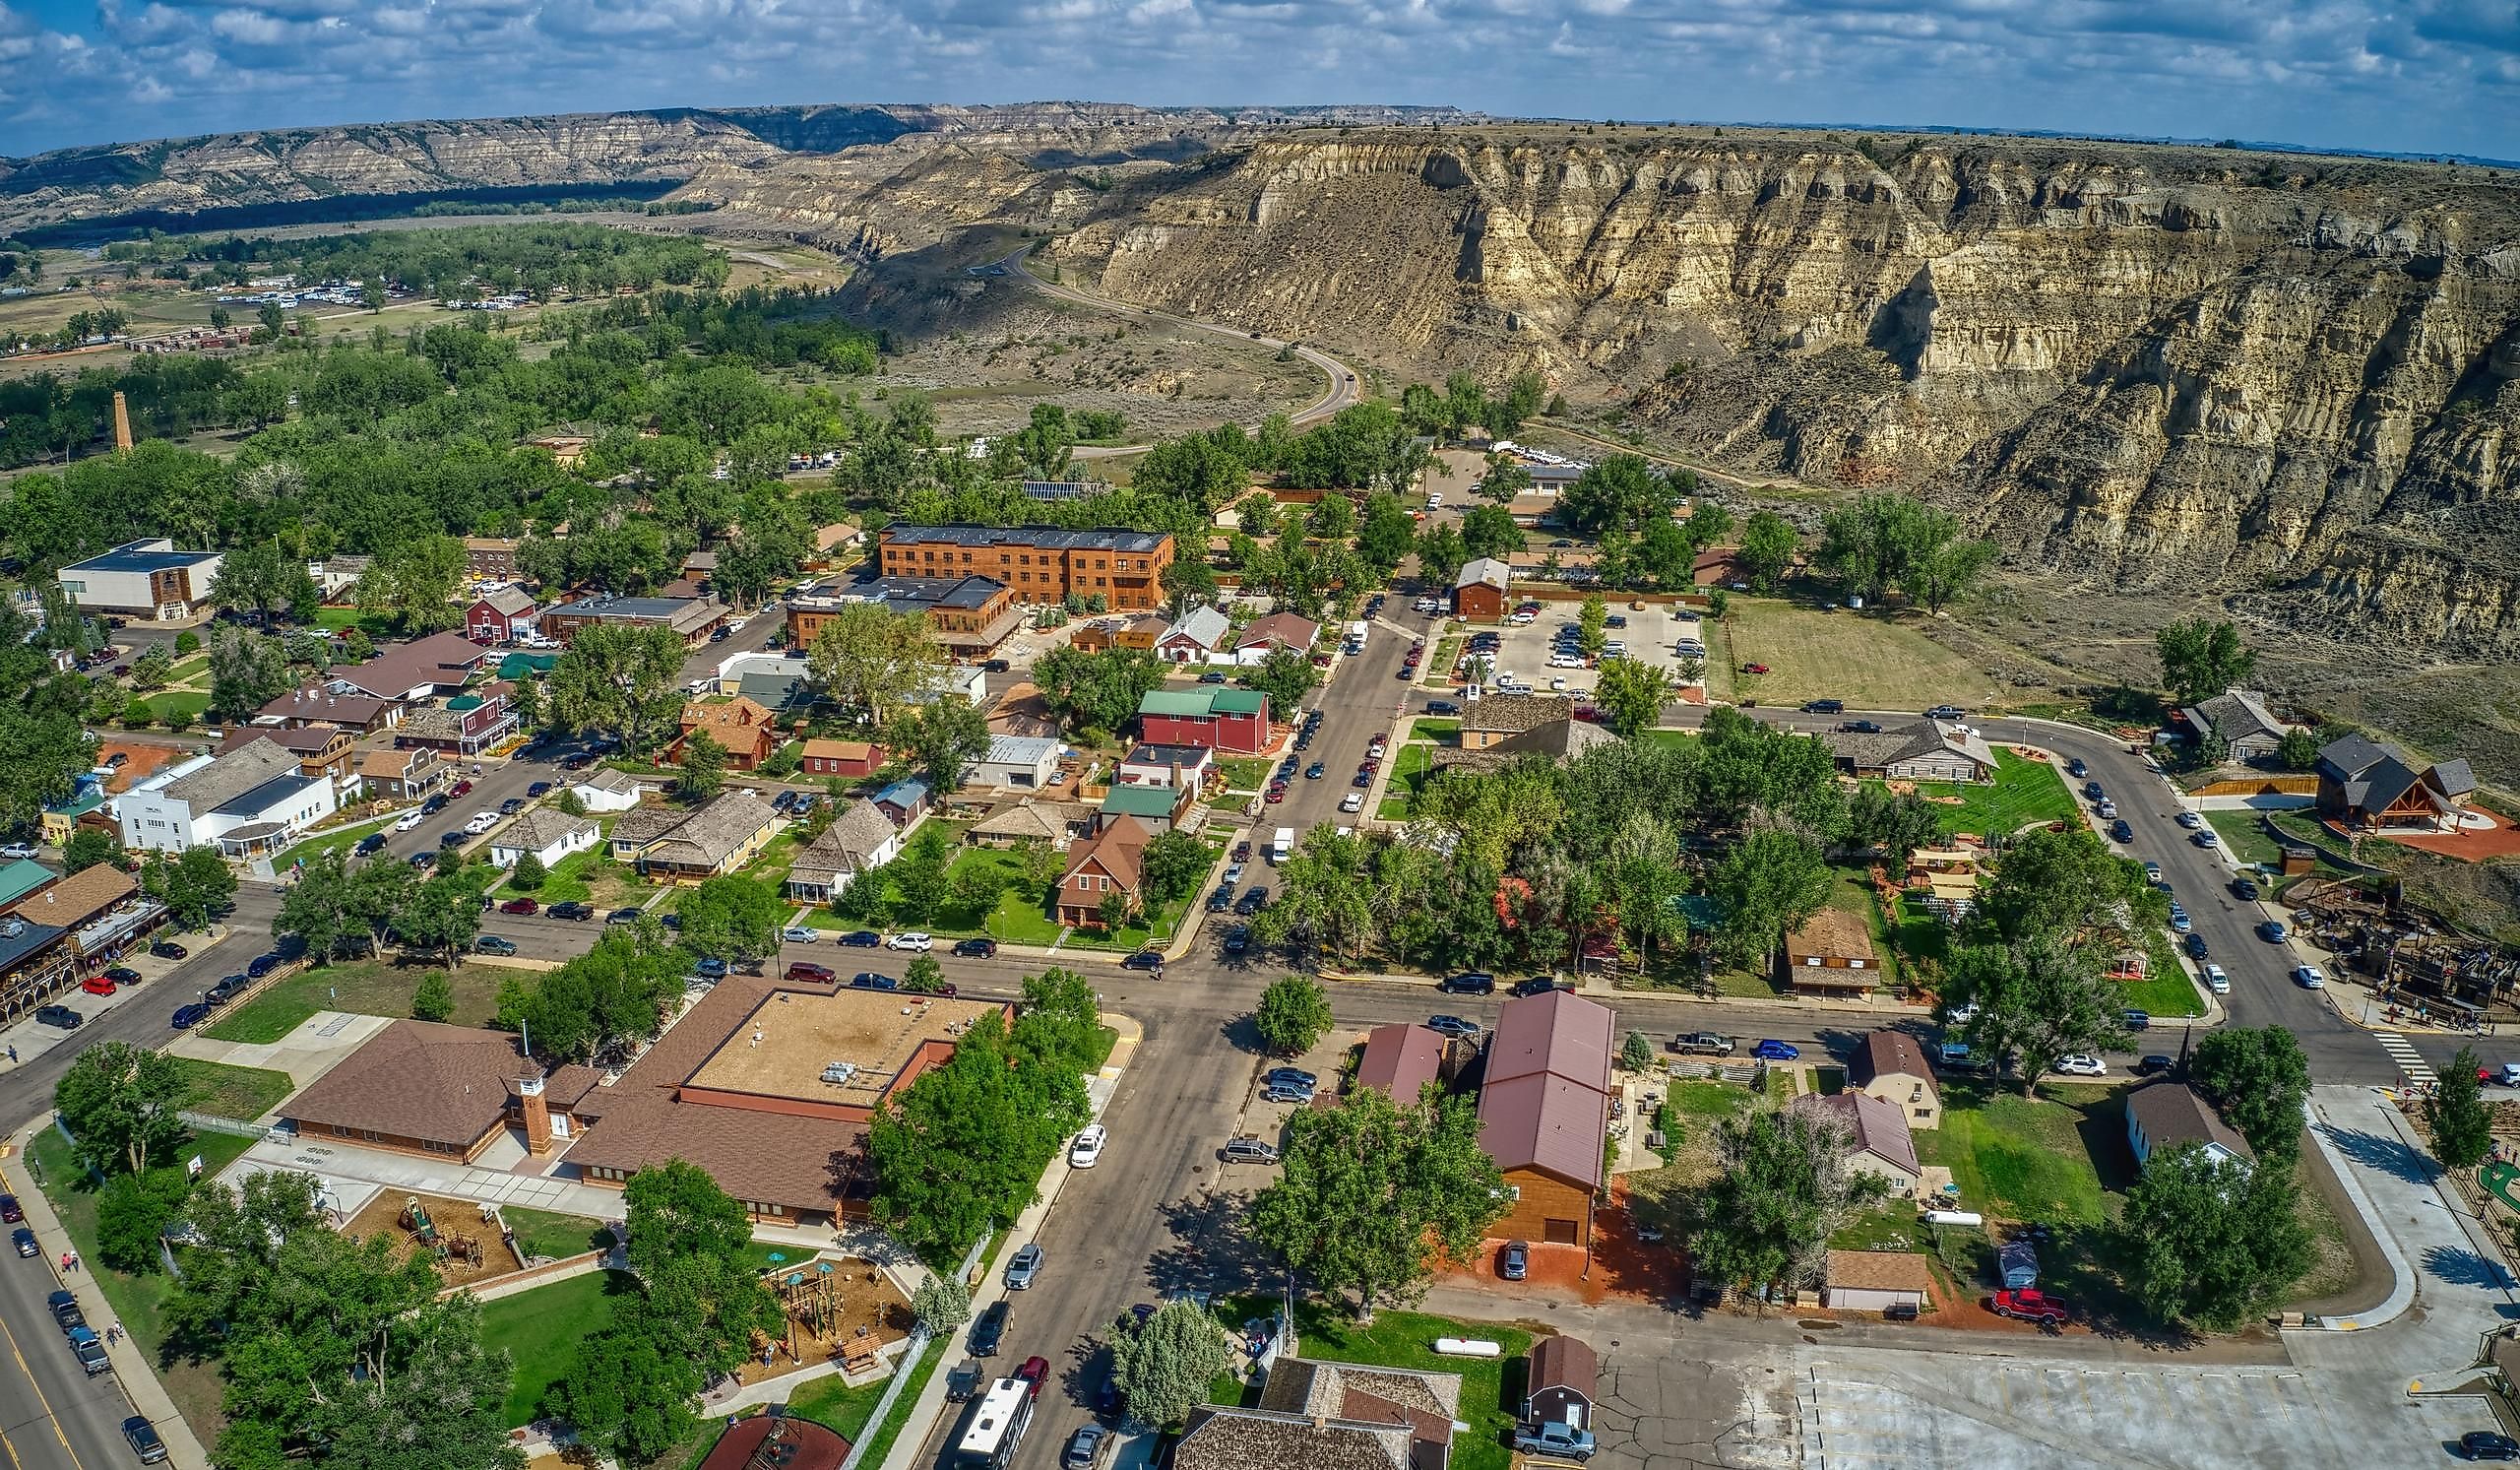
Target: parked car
[912, 942]
[1702, 1044]
[2487, 1444]
[229, 987]
[1023, 1266]
[89, 1350]
[2153, 1064]
[460, 789]
[1776, 1050]
[10, 1212]
[1035, 1370]
[60, 1017]
[1453, 1027]
[2245, 889]
[2136, 1020]
[369, 846]
[187, 1017]
[1087, 1150]
[1553, 1440]
[1862, 726]
[168, 950]
[536, 790]
[976, 949]
[98, 985]
[869, 980]
[1443, 707]
[2081, 1065]
[570, 907]
[2029, 1305]
[862, 939]
[1297, 1093]
[142, 1436]
[1247, 1149]
[1237, 938]
[25, 1240]
[796, 933]
[808, 970]
[1353, 803]
[1085, 1447]
[2093, 793]
[2076, 769]
[1145, 959]
[493, 944]
[512, 806]
[520, 906]
[1514, 1262]
[2121, 830]
[1945, 712]
[1824, 707]
[989, 1329]
[625, 916]
[2194, 944]
[2309, 977]
[1218, 903]
[2272, 930]
[2180, 923]
[65, 1310]
[711, 969]
[2190, 820]
[1254, 899]
[1469, 983]
[1538, 984]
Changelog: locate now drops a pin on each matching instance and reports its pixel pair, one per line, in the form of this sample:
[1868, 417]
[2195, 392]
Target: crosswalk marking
[2410, 1061]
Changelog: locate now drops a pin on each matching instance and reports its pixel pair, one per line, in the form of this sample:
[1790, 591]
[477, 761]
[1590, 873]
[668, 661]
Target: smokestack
[122, 421]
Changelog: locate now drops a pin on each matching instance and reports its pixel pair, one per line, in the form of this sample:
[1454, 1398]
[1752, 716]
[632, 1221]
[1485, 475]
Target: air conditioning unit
[839, 1073]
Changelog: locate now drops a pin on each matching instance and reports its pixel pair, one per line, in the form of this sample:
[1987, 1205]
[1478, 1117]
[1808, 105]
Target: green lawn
[880, 1442]
[1435, 727]
[244, 1093]
[575, 876]
[1490, 1387]
[375, 987]
[331, 841]
[1892, 1226]
[1408, 768]
[2167, 991]
[559, 1236]
[541, 1330]
[1246, 773]
[163, 708]
[2023, 791]
[2026, 1159]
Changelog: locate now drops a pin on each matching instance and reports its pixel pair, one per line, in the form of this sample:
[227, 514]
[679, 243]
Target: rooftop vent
[838, 1073]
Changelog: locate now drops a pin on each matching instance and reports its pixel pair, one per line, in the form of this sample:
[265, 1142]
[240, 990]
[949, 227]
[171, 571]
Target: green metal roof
[22, 877]
[465, 702]
[1139, 801]
[1174, 702]
[1236, 701]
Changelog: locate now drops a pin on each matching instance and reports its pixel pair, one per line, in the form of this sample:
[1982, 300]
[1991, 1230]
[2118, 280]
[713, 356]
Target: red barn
[1234, 721]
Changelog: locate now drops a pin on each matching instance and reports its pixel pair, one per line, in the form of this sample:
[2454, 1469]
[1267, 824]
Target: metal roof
[1046, 537]
[262, 798]
[141, 556]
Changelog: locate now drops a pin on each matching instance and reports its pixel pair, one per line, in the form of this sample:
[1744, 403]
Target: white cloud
[2429, 74]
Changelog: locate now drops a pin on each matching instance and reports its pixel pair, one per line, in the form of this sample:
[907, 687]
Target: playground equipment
[415, 1219]
[422, 1234]
[857, 1355]
[811, 1296]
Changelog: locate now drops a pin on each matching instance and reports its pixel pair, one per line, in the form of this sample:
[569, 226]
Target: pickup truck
[1702, 1044]
[1554, 1441]
[89, 1350]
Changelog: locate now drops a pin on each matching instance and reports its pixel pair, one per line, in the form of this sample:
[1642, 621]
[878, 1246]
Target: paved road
[51, 1413]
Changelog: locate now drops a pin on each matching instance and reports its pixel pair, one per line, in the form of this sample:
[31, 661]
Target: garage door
[1562, 1232]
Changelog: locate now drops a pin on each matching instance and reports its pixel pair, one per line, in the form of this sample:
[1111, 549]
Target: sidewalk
[134, 1374]
[314, 1047]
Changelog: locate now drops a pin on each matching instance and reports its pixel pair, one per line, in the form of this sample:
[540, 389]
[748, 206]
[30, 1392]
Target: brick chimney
[537, 1114]
[122, 421]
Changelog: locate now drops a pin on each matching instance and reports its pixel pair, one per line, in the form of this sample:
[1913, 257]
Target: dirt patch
[465, 1248]
[835, 1308]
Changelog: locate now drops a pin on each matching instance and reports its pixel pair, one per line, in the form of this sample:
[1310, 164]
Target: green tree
[2068, 883]
[624, 679]
[959, 1153]
[195, 886]
[617, 993]
[414, 582]
[1112, 912]
[1766, 886]
[1164, 1363]
[2299, 751]
[1708, 523]
[440, 915]
[1632, 693]
[1781, 1189]
[1504, 477]
[941, 738]
[1324, 896]
[1294, 1013]
[1285, 675]
[733, 918]
[1173, 862]
[1591, 624]
[2202, 658]
[187, 642]
[2213, 1242]
[119, 1103]
[1896, 822]
[1441, 554]
[691, 1245]
[2260, 1079]
[529, 873]
[868, 660]
[629, 1394]
[1767, 547]
[246, 673]
[1333, 519]
[1490, 531]
[2462, 1124]
[700, 768]
[262, 579]
[133, 1212]
[1037, 865]
[433, 999]
[2037, 999]
[1096, 691]
[1636, 1053]
[153, 670]
[88, 847]
[1622, 491]
[356, 646]
[1186, 580]
[1256, 515]
[919, 873]
[941, 1304]
[1372, 1191]
[924, 977]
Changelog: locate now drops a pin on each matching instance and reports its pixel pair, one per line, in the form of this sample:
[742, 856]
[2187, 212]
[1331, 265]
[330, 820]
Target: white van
[2215, 981]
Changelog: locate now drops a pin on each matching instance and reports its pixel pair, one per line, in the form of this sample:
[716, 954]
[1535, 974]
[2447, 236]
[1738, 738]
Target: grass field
[163, 708]
[559, 1236]
[331, 841]
[2166, 990]
[1872, 662]
[2023, 791]
[244, 1093]
[1408, 767]
[2026, 1159]
[541, 1330]
[375, 987]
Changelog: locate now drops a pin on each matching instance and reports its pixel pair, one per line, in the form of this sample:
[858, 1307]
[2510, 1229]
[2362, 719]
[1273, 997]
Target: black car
[143, 1439]
[450, 839]
[261, 965]
[189, 1017]
[369, 846]
[1862, 726]
[1469, 983]
[998, 666]
[168, 950]
[1145, 959]
[2195, 945]
[2154, 1065]
[61, 1016]
[1237, 938]
[865, 938]
[65, 1310]
[2121, 830]
[623, 916]
[2092, 790]
[10, 1212]
[512, 806]
[1222, 899]
[2245, 888]
[988, 1330]
[1294, 1077]
[1538, 984]
[1824, 707]
[1443, 707]
[25, 1239]
[425, 859]
[1364, 779]
[537, 789]
[123, 975]
[1254, 899]
[570, 907]
[434, 804]
[2486, 1444]
[976, 949]
[2076, 769]
[1453, 1026]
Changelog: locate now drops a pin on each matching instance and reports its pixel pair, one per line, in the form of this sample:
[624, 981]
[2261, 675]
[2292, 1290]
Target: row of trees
[341, 909]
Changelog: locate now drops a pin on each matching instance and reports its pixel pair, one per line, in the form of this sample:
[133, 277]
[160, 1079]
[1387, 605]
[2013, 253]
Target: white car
[18, 851]
[1232, 873]
[913, 940]
[2079, 1065]
[1564, 661]
[2190, 820]
[1087, 1150]
[796, 933]
[1520, 619]
[411, 820]
[1353, 801]
[1558, 682]
[2309, 977]
[482, 821]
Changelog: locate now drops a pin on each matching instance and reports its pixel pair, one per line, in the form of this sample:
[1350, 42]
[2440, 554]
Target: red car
[1754, 669]
[519, 906]
[1034, 1371]
[1277, 793]
[96, 984]
[460, 789]
[2029, 1305]
[805, 970]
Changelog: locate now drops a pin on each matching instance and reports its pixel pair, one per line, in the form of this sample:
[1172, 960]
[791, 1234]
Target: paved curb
[133, 1374]
[2402, 1285]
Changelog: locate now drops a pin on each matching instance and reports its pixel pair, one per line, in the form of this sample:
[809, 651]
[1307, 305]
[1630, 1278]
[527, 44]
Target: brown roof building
[419, 1087]
[1110, 861]
[1493, 720]
[1831, 954]
[422, 668]
[776, 1441]
[1565, 1374]
[1315, 1414]
[1543, 1113]
[1882, 1146]
[1400, 1060]
[1890, 1065]
[1875, 1280]
[364, 713]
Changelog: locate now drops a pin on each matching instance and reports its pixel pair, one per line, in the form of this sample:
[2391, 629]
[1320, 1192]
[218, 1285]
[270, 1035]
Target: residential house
[1234, 721]
[858, 839]
[2164, 1115]
[546, 832]
[747, 732]
[1831, 955]
[57, 934]
[1928, 751]
[1276, 630]
[1478, 593]
[1317, 1415]
[2372, 785]
[322, 750]
[464, 726]
[694, 618]
[500, 615]
[720, 837]
[1195, 637]
[336, 576]
[1174, 767]
[1110, 861]
[1398, 1061]
[1880, 1144]
[1140, 631]
[1544, 1113]
[1055, 823]
[401, 775]
[2239, 720]
[1020, 762]
[609, 791]
[490, 558]
[852, 760]
[1041, 563]
[143, 579]
[405, 673]
[830, 544]
[251, 800]
[1560, 740]
[1156, 809]
[1501, 717]
[360, 714]
[904, 802]
[1717, 566]
[1891, 1067]
[1876, 1281]
[1562, 1379]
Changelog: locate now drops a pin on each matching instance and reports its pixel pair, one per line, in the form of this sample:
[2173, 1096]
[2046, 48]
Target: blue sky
[2406, 75]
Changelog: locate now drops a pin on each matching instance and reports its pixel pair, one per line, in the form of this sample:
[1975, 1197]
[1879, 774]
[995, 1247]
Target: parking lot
[1649, 637]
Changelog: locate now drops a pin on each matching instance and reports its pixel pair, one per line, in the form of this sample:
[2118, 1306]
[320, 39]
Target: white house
[858, 840]
[1170, 766]
[2164, 1115]
[146, 579]
[1195, 638]
[1022, 762]
[609, 791]
[547, 834]
[252, 800]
